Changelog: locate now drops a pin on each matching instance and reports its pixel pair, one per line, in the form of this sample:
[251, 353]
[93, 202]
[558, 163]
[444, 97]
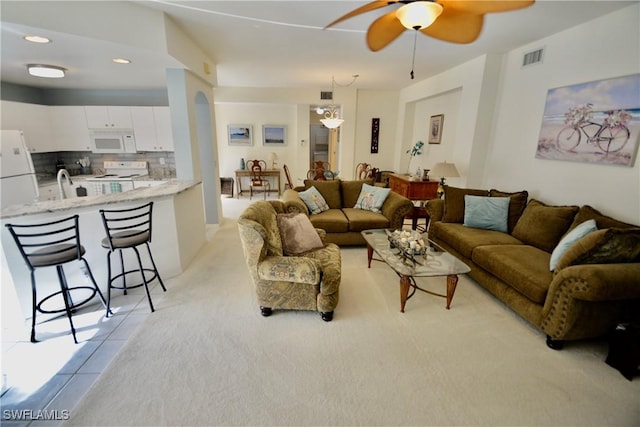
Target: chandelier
[331, 119]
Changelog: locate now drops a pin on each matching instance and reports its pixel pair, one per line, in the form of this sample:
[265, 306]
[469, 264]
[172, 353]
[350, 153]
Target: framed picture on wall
[274, 135]
[240, 134]
[435, 129]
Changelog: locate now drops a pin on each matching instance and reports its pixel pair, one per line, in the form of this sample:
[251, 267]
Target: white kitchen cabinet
[108, 117]
[144, 128]
[69, 125]
[33, 120]
[164, 132]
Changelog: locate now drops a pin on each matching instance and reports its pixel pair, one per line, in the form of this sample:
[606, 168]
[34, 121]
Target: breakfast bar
[178, 233]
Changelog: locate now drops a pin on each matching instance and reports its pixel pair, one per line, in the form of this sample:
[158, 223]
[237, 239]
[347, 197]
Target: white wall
[500, 114]
[604, 48]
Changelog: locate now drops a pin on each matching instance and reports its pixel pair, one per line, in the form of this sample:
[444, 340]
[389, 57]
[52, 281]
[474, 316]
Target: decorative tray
[411, 245]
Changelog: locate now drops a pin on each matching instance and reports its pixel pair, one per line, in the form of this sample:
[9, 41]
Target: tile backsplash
[45, 163]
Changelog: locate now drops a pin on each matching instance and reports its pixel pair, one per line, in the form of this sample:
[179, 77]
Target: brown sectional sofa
[595, 285]
[342, 222]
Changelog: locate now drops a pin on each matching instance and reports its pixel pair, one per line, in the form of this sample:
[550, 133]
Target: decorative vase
[242, 165]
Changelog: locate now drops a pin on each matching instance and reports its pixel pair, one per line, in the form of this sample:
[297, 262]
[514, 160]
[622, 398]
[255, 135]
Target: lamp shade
[418, 14]
[444, 169]
[332, 123]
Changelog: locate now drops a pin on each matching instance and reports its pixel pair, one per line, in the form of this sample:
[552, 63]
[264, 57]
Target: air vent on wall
[326, 95]
[533, 57]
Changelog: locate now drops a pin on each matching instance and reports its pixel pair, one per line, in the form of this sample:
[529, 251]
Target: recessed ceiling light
[121, 61]
[49, 71]
[37, 39]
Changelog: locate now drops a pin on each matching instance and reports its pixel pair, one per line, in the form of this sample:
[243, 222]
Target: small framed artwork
[435, 129]
[240, 135]
[275, 135]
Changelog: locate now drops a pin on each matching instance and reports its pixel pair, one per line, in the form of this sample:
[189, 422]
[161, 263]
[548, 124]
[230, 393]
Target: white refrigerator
[18, 182]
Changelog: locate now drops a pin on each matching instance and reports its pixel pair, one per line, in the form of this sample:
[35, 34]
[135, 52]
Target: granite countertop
[170, 188]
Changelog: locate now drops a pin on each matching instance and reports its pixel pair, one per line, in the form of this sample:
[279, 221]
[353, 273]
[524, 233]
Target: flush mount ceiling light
[48, 71]
[331, 119]
[121, 61]
[37, 39]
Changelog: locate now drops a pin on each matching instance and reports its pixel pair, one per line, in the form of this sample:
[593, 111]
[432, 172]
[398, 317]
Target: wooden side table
[414, 191]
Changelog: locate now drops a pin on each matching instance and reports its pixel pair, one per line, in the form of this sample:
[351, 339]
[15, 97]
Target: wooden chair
[366, 171]
[317, 173]
[289, 183]
[257, 180]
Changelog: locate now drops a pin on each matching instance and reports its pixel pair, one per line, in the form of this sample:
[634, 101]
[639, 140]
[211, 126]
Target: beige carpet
[207, 357]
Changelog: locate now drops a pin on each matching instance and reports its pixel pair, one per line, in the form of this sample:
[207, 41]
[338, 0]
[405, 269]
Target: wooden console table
[246, 173]
[414, 191]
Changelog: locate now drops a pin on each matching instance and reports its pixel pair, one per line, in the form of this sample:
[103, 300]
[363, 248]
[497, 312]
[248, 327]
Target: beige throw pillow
[298, 234]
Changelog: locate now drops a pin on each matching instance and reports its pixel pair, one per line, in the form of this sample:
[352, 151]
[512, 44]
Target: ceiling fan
[456, 21]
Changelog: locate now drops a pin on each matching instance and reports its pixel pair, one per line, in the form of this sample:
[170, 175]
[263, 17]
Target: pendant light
[331, 119]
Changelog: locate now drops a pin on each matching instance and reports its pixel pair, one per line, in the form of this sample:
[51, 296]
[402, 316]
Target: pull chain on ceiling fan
[455, 21]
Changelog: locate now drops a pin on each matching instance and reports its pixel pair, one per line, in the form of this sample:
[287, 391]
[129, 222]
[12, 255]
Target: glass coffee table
[436, 262]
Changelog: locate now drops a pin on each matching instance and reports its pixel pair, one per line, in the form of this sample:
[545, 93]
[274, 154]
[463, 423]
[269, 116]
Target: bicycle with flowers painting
[609, 136]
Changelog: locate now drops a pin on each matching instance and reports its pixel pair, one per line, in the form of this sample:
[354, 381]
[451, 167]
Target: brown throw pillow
[454, 202]
[298, 234]
[517, 204]
[609, 246]
[586, 212]
[543, 226]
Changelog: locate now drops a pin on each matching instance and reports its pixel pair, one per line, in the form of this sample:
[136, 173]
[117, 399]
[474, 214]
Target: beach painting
[274, 135]
[594, 122]
[240, 134]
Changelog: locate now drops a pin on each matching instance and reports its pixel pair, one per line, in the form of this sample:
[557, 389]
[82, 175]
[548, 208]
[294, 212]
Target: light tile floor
[43, 381]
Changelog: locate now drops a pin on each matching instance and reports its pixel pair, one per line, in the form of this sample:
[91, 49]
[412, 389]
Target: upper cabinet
[152, 128]
[69, 126]
[107, 117]
[34, 121]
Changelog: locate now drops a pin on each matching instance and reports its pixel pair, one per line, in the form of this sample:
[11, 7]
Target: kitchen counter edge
[170, 188]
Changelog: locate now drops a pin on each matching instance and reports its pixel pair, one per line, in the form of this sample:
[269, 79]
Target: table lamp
[273, 158]
[443, 170]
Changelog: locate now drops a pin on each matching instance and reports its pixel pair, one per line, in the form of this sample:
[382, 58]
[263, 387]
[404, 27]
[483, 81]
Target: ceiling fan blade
[376, 4]
[455, 26]
[486, 6]
[383, 31]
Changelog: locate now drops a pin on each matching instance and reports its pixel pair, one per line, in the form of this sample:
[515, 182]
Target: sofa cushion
[611, 245]
[314, 200]
[360, 219]
[350, 191]
[542, 225]
[332, 221]
[465, 240]
[454, 202]
[516, 205]
[489, 213]
[602, 221]
[525, 268]
[298, 234]
[569, 239]
[330, 190]
[371, 198]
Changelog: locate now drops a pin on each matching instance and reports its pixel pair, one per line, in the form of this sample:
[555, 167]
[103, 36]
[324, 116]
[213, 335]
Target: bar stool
[54, 244]
[128, 229]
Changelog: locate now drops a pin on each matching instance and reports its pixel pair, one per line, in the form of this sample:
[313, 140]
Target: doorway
[323, 142]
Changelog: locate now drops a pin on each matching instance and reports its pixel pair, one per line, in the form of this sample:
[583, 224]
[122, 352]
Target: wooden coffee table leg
[369, 255]
[452, 282]
[405, 283]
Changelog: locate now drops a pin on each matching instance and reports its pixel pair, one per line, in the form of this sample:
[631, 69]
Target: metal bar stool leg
[124, 276]
[34, 305]
[64, 288]
[108, 283]
[95, 284]
[144, 279]
[155, 268]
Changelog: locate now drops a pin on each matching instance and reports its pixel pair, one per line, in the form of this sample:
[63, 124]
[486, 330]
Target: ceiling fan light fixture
[47, 71]
[418, 14]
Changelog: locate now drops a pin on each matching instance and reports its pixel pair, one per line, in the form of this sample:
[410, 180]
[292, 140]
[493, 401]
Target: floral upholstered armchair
[306, 281]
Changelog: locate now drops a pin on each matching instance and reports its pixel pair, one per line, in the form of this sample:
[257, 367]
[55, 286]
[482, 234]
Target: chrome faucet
[61, 173]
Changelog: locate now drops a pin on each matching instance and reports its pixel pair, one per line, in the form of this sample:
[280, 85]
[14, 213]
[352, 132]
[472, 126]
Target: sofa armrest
[290, 269]
[395, 208]
[435, 209]
[322, 233]
[293, 203]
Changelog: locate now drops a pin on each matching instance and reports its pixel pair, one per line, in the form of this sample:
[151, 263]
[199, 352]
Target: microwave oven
[113, 141]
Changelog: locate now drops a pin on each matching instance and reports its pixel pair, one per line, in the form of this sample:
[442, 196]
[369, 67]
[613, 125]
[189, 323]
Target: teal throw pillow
[372, 198]
[569, 239]
[489, 213]
[314, 200]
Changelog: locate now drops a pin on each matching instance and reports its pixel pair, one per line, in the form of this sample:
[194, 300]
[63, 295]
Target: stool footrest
[137, 285]
[72, 306]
